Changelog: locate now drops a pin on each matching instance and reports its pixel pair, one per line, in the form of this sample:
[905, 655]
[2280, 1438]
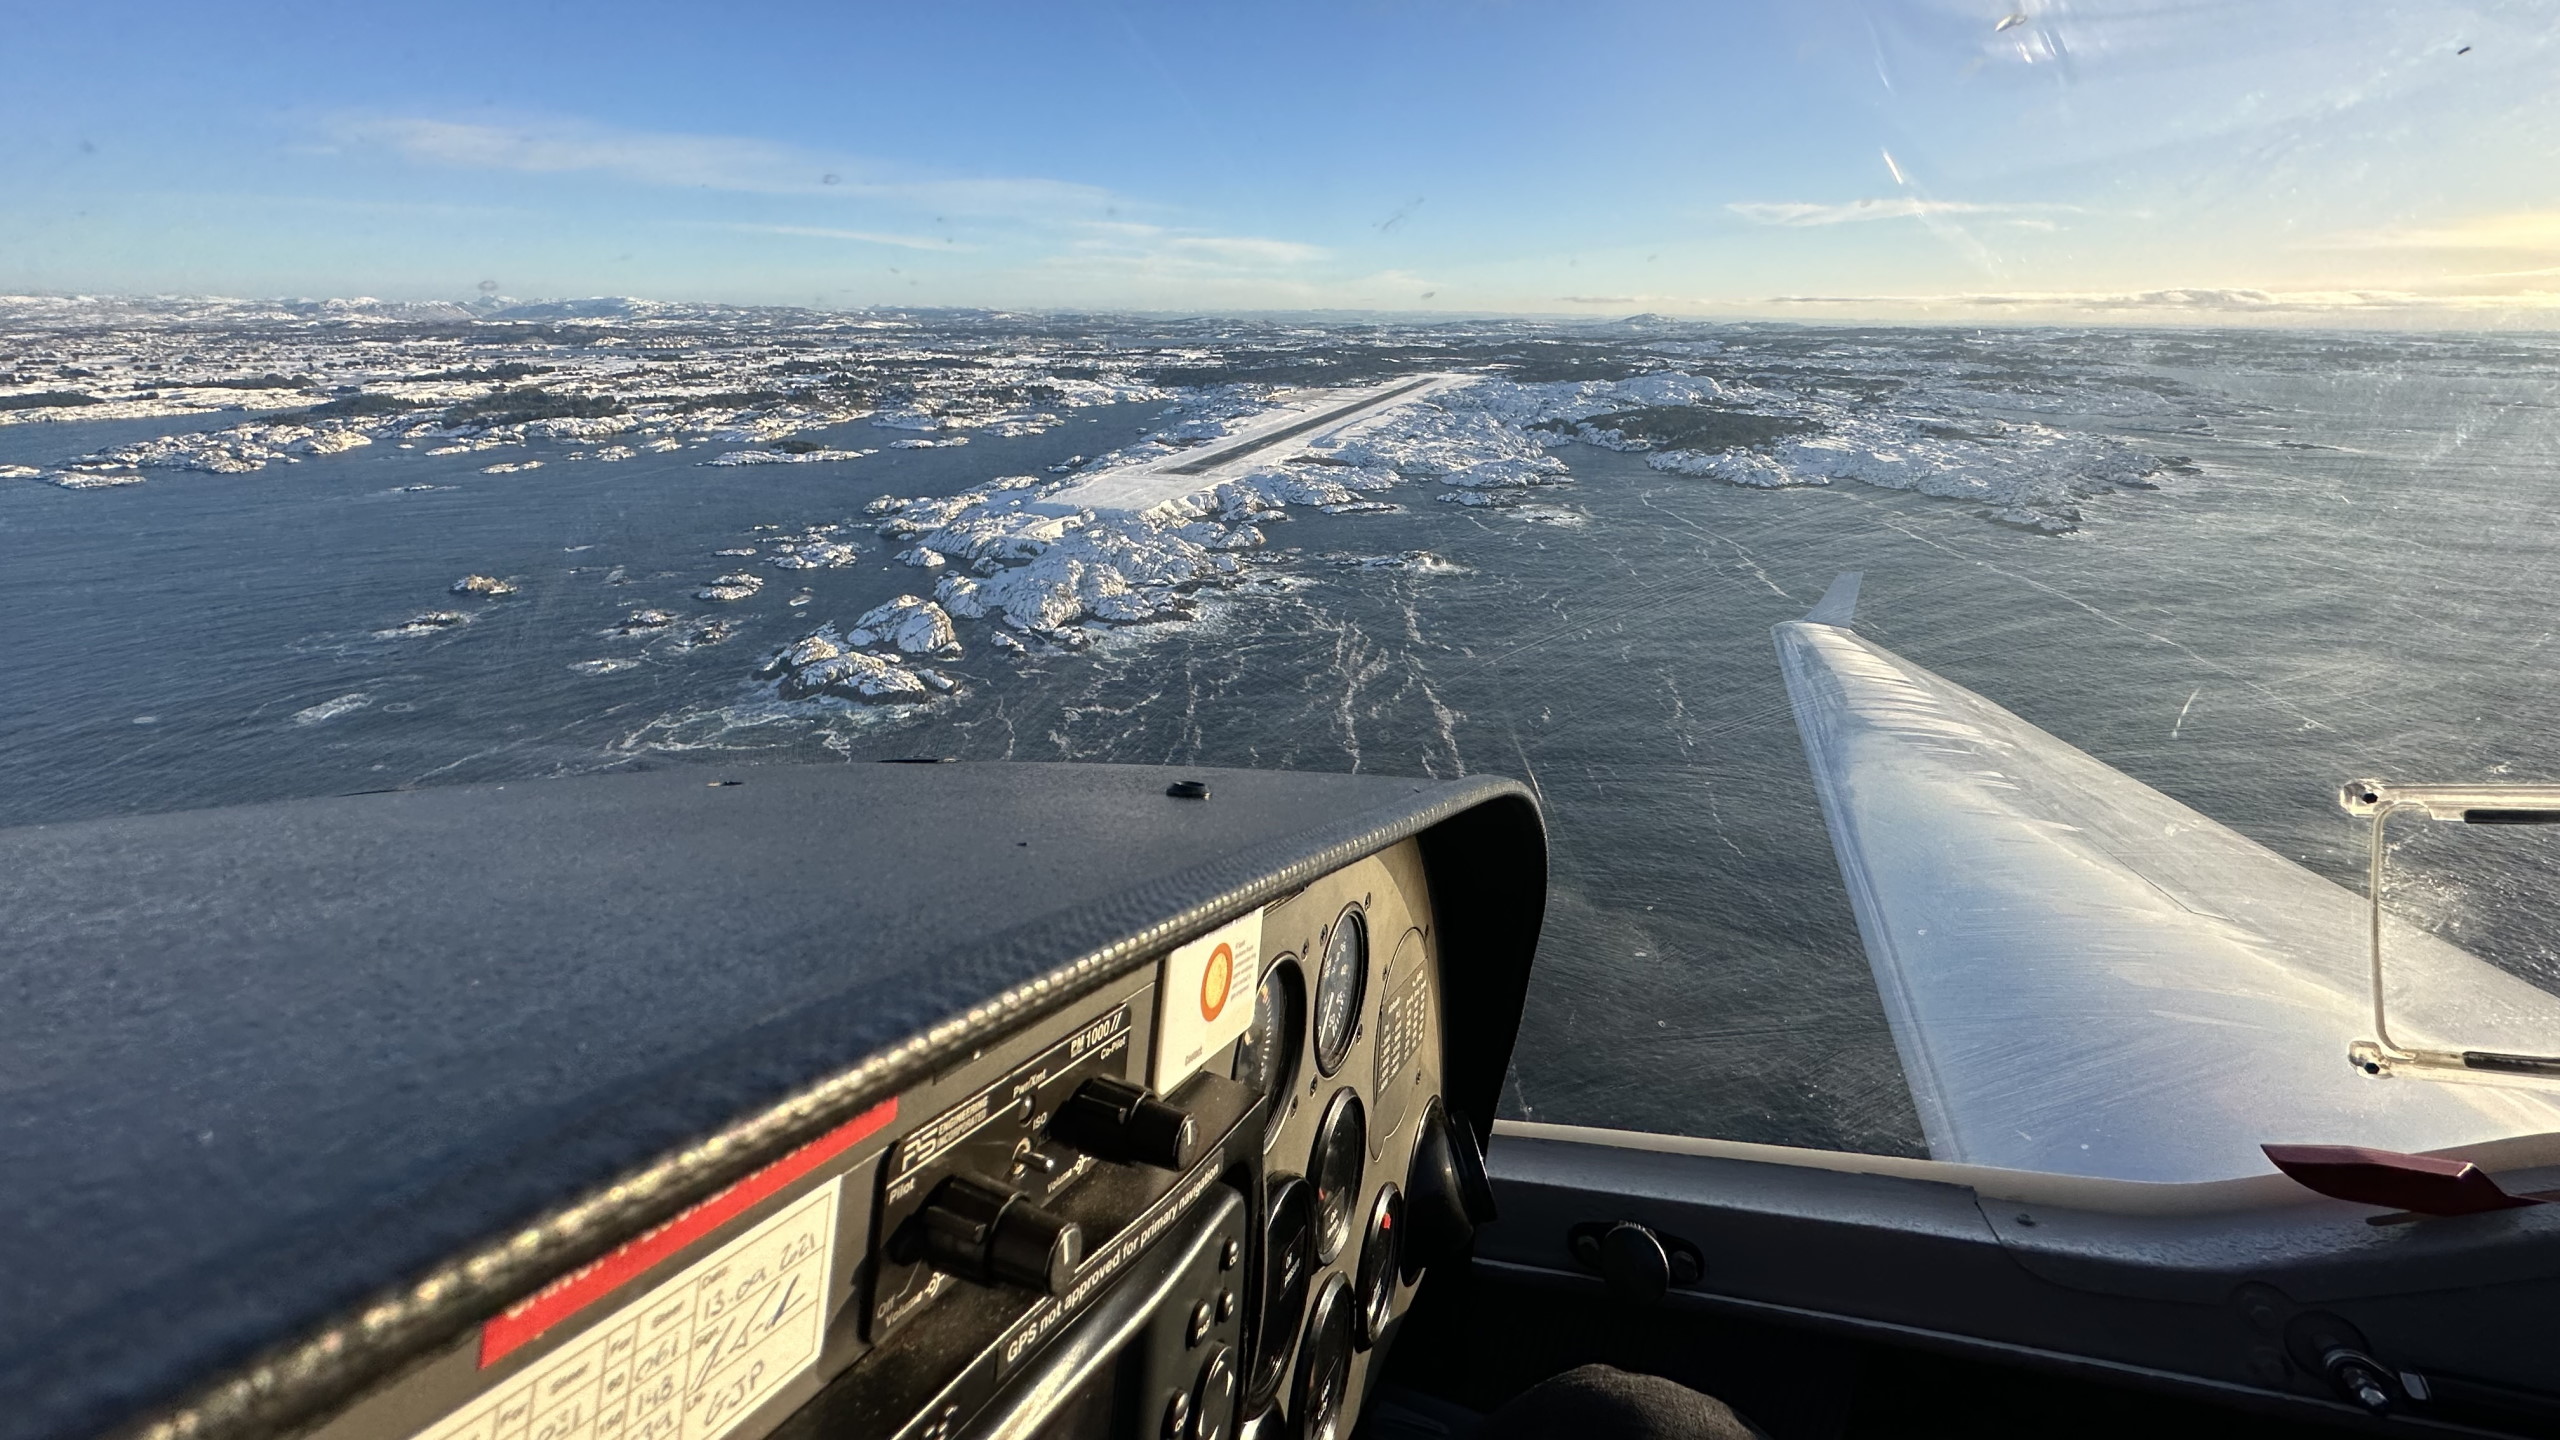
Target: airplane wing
[2086, 977]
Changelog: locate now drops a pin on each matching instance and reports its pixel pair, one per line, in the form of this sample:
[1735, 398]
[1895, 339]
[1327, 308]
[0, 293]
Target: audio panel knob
[1116, 1120]
[993, 1234]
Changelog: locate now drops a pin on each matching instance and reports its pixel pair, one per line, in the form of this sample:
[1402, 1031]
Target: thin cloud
[1129, 243]
[1245, 249]
[1900, 207]
[865, 237]
[713, 162]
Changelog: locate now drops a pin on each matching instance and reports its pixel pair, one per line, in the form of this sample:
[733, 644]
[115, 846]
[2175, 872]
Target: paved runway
[1144, 487]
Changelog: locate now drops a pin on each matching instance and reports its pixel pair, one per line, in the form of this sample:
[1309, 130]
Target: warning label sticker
[688, 1360]
[1205, 1001]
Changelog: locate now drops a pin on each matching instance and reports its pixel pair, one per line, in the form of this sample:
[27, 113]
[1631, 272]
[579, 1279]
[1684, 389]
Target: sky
[2296, 161]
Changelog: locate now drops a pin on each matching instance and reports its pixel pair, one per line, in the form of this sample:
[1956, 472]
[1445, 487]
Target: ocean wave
[332, 709]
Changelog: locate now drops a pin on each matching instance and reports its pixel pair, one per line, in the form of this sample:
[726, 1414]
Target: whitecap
[329, 709]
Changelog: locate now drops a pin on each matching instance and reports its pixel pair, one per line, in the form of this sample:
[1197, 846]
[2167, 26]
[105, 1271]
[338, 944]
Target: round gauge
[1344, 975]
[1288, 1266]
[1375, 1288]
[1342, 1148]
[1267, 1056]
[1324, 1363]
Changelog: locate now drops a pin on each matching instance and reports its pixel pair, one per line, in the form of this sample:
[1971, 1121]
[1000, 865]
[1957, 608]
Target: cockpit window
[1425, 390]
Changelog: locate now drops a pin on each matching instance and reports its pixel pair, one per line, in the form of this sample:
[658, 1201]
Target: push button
[1215, 1402]
[1200, 1322]
[1177, 1416]
[1226, 1306]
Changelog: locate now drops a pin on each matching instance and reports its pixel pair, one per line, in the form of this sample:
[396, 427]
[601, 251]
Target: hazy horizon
[2283, 318]
[1950, 161]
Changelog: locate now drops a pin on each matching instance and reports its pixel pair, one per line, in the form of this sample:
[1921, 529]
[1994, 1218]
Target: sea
[2352, 569]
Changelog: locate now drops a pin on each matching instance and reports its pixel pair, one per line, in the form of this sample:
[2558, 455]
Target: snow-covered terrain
[1027, 565]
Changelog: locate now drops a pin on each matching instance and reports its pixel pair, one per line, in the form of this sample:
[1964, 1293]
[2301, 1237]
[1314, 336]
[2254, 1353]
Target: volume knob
[993, 1234]
[1116, 1120]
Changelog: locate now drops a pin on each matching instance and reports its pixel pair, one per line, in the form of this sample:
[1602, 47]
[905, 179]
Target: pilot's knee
[1601, 1402]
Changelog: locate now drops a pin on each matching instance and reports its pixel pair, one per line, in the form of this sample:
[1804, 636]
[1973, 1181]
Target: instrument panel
[1347, 1099]
[1192, 1204]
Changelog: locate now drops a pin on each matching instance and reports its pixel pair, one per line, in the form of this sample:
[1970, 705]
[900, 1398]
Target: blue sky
[2329, 162]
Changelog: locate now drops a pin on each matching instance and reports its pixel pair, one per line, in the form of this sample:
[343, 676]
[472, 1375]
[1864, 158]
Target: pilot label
[1206, 1000]
[688, 1360]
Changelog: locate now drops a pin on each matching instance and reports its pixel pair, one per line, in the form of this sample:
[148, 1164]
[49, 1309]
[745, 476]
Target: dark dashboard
[894, 1100]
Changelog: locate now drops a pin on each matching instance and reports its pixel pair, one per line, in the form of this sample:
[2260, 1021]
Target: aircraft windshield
[1437, 389]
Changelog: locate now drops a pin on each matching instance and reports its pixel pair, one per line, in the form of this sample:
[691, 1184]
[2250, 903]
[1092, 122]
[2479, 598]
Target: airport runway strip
[1144, 487]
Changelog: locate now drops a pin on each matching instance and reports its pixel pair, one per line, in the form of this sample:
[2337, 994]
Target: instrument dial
[1288, 1269]
[1342, 1151]
[1324, 1363]
[1375, 1289]
[1339, 983]
[1267, 1058]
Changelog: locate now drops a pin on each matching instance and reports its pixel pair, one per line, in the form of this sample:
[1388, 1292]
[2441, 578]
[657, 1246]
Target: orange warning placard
[1205, 1000]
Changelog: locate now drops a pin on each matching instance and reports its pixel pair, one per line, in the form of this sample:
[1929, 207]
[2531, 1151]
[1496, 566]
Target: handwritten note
[688, 1360]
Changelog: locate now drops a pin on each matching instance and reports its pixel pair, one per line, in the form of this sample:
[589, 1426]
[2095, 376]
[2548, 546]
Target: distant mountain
[597, 307]
[365, 307]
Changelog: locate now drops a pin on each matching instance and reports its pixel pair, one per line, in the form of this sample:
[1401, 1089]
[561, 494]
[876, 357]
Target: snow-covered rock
[825, 644]
[816, 550]
[237, 450]
[818, 666]
[739, 586]
[784, 457]
[911, 623]
[2026, 474]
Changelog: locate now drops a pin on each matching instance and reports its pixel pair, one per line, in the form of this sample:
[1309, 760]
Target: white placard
[1205, 1001]
[688, 1360]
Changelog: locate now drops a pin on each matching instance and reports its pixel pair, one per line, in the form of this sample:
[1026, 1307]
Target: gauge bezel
[1291, 980]
[1326, 1343]
[1380, 1269]
[1331, 1059]
[1278, 1309]
[1345, 1109]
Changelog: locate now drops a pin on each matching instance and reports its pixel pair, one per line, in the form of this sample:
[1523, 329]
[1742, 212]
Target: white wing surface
[2086, 977]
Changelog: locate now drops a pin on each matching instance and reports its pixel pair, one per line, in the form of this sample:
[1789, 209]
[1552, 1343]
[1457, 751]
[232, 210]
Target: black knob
[1446, 1194]
[993, 1234]
[1632, 1260]
[1115, 1120]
